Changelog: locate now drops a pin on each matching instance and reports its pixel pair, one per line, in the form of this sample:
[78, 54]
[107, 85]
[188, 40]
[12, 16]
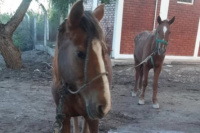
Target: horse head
[162, 34]
[82, 59]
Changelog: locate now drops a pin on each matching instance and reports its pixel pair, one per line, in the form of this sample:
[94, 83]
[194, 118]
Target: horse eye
[81, 55]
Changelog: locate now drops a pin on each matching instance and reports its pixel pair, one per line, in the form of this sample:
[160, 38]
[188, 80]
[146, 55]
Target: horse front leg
[144, 84]
[66, 125]
[141, 78]
[75, 125]
[93, 125]
[157, 71]
[137, 74]
[85, 127]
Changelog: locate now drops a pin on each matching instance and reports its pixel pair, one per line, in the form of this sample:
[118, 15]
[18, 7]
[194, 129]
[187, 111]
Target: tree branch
[18, 17]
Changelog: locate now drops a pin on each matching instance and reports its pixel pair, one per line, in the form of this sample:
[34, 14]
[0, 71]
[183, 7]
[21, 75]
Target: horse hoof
[134, 94]
[141, 102]
[156, 106]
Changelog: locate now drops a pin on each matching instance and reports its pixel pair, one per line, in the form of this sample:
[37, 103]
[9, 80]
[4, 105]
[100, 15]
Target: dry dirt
[26, 104]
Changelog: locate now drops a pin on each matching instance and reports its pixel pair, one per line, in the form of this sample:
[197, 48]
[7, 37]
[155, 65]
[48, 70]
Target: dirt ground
[26, 104]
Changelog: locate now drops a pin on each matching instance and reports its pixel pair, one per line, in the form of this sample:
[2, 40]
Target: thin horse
[150, 48]
[82, 70]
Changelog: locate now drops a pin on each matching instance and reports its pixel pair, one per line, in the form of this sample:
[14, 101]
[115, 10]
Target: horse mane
[90, 25]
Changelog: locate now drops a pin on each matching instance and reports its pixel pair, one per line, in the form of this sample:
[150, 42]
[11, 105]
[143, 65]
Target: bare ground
[26, 104]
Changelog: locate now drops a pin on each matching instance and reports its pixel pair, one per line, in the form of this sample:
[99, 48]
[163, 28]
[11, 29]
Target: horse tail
[56, 74]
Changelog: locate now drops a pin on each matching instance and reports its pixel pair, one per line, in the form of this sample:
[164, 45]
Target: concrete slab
[116, 62]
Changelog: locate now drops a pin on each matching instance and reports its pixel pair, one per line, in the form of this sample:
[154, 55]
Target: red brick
[138, 16]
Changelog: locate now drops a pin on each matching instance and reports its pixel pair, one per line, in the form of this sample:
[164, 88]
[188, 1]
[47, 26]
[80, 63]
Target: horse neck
[153, 44]
[153, 47]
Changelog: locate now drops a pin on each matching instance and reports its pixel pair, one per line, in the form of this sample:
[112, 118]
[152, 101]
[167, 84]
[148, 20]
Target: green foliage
[40, 27]
[54, 22]
[61, 6]
[22, 36]
[4, 18]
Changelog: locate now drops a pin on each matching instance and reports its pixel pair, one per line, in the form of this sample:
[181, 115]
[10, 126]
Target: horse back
[141, 37]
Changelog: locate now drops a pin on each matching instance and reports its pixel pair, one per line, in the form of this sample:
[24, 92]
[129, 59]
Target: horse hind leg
[137, 74]
[144, 85]
[155, 87]
[66, 125]
[140, 80]
[75, 125]
[93, 125]
[85, 127]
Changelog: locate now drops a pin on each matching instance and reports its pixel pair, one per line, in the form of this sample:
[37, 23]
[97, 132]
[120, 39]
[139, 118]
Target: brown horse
[150, 48]
[82, 69]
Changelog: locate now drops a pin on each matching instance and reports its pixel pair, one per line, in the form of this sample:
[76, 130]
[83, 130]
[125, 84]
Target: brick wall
[184, 30]
[138, 15]
[107, 22]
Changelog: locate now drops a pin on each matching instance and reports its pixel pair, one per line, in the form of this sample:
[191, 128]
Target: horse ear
[99, 12]
[159, 20]
[76, 13]
[172, 20]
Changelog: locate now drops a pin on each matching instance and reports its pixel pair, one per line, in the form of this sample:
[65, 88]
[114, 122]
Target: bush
[22, 36]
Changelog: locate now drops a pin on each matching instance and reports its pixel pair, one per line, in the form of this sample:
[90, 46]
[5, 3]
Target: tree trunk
[11, 54]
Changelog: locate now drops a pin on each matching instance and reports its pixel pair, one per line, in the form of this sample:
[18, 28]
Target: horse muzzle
[162, 49]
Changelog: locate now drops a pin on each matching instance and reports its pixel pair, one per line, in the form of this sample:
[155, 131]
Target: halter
[159, 40]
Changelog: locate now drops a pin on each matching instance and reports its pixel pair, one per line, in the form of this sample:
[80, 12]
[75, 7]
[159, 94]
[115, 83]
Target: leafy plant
[4, 18]
[61, 6]
[22, 35]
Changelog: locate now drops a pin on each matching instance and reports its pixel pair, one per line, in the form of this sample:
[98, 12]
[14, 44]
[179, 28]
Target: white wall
[164, 7]
[196, 50]
[117, 29]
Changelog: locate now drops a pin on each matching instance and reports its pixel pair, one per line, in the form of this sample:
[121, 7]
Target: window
[186, 1]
